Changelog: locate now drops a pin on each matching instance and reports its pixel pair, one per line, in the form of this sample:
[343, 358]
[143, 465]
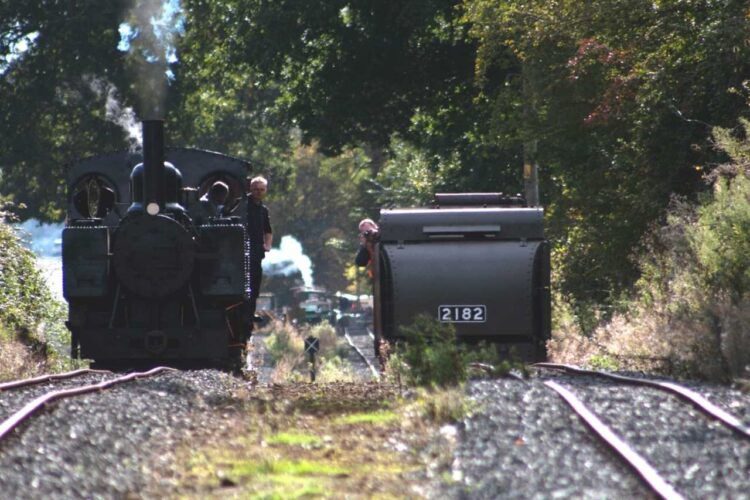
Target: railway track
[28, 402]
[359, 337]
[14, 384]
[111, 442]
[699, 402]
[663, 481]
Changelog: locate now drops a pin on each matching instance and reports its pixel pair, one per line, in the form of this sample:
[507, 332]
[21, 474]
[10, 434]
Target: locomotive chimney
[153, 166]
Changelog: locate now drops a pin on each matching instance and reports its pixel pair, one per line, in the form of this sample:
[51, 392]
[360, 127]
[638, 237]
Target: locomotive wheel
[154, 256]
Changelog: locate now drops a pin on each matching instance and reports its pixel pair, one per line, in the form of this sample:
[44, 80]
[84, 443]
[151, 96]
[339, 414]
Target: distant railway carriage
[150, 274]
[479, 261]
[315, 305]
[266, 302]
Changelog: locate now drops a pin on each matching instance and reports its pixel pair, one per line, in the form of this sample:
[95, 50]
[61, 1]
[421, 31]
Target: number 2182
[462, 314]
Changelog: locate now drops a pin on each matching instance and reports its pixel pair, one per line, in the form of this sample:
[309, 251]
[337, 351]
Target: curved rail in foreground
[701, 403]
[46, 378]
[636, 462]
[10, 423]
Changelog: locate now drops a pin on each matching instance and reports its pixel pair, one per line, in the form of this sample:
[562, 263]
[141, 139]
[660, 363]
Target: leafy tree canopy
[59, 62]
[623, 95]
[349, 72]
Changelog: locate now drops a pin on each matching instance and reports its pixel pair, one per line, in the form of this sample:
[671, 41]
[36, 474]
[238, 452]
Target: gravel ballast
[520, 441]
[107, 445]
[523, 441]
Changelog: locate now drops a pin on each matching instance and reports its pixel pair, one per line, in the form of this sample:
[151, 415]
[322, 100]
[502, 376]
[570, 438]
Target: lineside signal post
[312, 345]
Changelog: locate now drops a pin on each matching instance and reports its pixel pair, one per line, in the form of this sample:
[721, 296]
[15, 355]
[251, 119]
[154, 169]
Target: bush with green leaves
[720, 237]
[28, 311]
[431, 353]
[284, 341]
[23, 291]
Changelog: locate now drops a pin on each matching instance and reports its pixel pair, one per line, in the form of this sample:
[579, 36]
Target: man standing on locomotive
[260, 234]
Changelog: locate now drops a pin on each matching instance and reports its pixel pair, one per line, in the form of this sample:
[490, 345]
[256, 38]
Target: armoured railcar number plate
[462, 314]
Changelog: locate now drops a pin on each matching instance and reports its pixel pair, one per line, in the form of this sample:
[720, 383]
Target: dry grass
[712, 343]
[286, 346]
[689, 314]
[18, 360]
[291, 364]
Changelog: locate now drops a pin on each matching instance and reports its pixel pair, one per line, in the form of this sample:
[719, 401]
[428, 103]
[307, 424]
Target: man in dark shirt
[259, 234]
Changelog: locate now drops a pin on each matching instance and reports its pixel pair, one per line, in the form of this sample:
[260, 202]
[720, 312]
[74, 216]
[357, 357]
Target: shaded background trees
[54, 106]
[351, 105]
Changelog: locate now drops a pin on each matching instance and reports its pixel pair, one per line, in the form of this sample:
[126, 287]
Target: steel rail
[374, 371]
[30, 408]
[649, 475]
[698, 401]
[47, 378]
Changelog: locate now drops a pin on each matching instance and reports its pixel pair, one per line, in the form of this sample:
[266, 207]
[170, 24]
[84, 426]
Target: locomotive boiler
[478, 261]
[153, 272]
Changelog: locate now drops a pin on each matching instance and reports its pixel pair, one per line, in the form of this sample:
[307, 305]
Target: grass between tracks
[334, 439]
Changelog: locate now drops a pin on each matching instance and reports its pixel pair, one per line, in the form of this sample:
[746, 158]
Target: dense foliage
[351, 105]
[54, 105]
[690, 313]
[624, 96]
[32, 334]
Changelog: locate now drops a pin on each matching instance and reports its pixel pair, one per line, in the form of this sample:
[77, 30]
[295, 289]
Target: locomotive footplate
[170, 343]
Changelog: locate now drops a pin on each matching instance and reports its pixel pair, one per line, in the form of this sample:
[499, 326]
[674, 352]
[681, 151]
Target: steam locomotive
[153, 273]
[478, 261]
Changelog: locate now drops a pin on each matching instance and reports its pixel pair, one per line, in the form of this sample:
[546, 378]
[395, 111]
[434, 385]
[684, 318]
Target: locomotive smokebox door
[153, 255]
[482, 268]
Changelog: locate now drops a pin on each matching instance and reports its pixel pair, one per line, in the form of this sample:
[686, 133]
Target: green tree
[216, 104]
[349, 72]
[55, 93]
[320, 208]
[621, 92]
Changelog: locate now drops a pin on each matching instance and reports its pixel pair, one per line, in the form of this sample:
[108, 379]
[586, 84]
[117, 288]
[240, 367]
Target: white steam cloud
[124, 116]
[287, 259]
[148, 36]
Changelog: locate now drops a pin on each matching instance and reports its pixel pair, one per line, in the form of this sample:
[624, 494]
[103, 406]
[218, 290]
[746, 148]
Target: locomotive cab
[478, 261]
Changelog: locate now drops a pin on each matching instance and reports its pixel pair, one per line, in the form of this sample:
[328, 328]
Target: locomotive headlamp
[152, 208]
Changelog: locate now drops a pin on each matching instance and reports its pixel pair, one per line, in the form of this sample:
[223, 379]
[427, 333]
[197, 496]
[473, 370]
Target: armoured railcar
[152, 272]
[479, 261]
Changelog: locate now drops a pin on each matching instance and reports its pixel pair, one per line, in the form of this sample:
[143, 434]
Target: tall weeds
[690, 312]
[286, 345]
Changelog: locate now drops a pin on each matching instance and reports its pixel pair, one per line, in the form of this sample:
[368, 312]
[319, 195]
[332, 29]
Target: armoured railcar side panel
[485, 269]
